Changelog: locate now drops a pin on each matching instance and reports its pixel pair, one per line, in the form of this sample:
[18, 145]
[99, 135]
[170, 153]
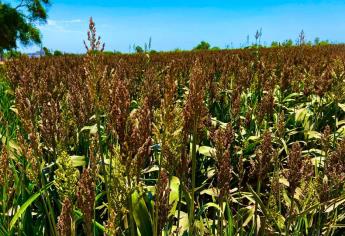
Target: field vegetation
[220, 142]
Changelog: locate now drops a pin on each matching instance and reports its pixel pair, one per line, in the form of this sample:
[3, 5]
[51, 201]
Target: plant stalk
[191, 209]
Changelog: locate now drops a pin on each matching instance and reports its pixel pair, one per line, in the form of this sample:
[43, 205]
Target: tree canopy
[19, 23]
[202, 46]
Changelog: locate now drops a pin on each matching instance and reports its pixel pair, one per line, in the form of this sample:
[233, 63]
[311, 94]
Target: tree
[287, 43]
[317, 41]
[46, 51]
[202, 46]
[17, 23]
[58, 53]
[139, 49]
[12, 54]
[324, 42]
[215, 48]
[275, 44]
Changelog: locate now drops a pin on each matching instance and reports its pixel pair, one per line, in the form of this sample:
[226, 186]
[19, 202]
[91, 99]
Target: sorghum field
[232, 142]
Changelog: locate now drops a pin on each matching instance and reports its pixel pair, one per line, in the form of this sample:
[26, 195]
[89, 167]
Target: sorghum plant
[86, 199]
[231, 142]
[195, 114]
[223, 141]
[162, 203]
[299, 169]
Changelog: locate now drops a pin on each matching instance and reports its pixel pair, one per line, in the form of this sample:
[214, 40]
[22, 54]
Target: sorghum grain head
[162, 200]
[86, 198]
[65, 219]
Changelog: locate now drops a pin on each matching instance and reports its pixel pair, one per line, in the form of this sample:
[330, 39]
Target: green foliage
[12, 54]
[27, 203]
[57, 53]
[215, 48]
[139, 49]
[287, 43]
[17, 23]
[319, 42]
[203, 45]
[111, 52]
[47, 52]
[141, 214]
[275, 44]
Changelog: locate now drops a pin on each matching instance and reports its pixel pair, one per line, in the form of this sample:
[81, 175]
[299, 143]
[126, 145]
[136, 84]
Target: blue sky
[183, 24]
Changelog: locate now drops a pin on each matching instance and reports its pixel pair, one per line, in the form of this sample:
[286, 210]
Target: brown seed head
[162, 200]
[86, 198]
[65, 219]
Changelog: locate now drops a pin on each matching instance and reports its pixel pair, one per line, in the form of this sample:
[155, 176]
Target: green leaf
[291, 97]
[216, 122]
[262, 205]
[341, 131]
[311, 134]
[98, 225]
[150, 169]
[211, 204]
[14, 109]
[339, 123]
[258, 200]
[208, 205]
[315, 151]
[184, 223]
[318, 161]
[284, 145]
[230, 224]
[300, 114]
[11, 144]
[211, 172]
[78, 161]
[334, 205]
[174, 194]
[308, 210]
[187, 196]
[141, 214]
[92, 129]
[23, 208]
[284, 181]
[249, 216]
[338, 226]
[214, 192]
[342, 106]
[249, 148]
[253, 138]
[95, 223]
[206, 151]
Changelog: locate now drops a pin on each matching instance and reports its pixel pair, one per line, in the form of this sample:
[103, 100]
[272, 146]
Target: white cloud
[51, 22]
[62, 26]
[72, 21]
